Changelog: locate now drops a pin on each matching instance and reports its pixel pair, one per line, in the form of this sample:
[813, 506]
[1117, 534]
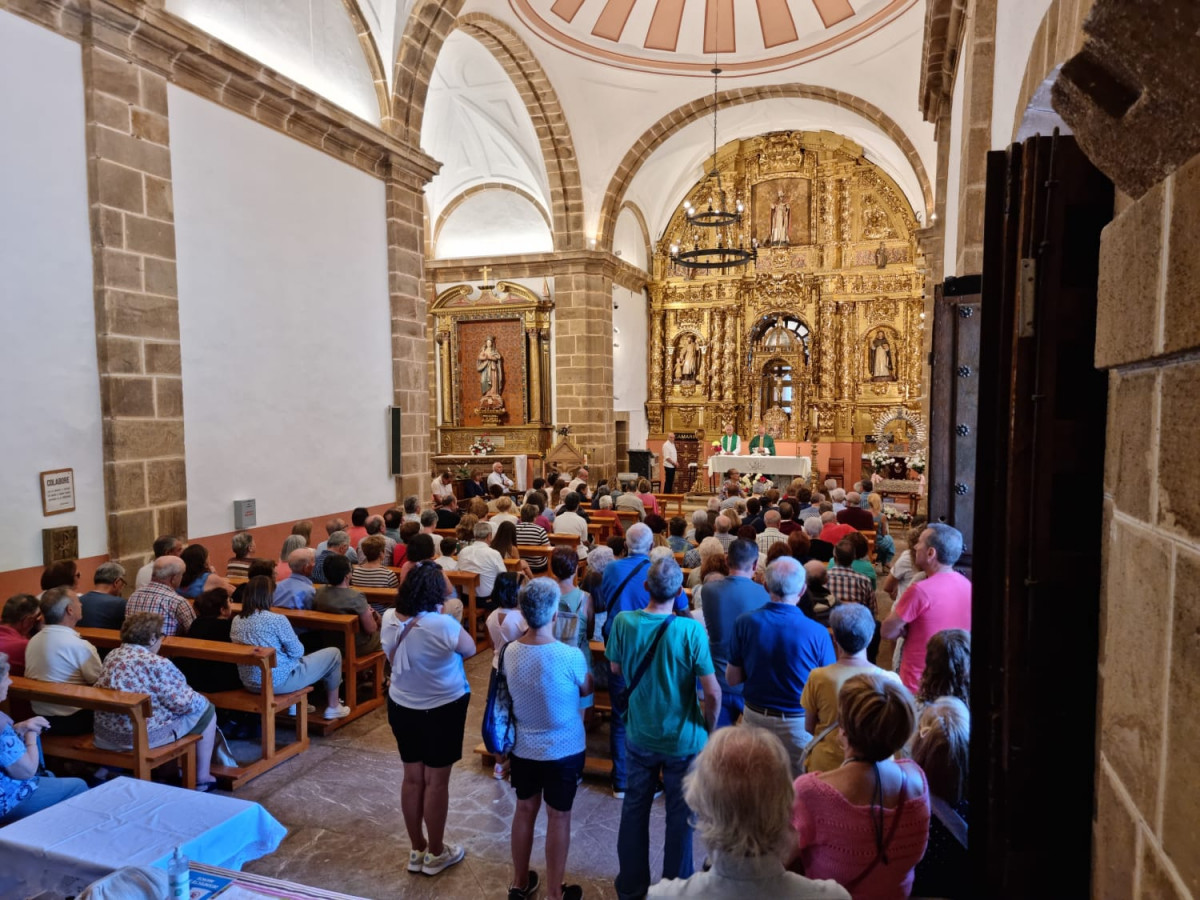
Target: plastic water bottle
[178, 877]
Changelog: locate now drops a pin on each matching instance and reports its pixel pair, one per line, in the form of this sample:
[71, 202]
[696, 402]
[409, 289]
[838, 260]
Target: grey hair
[429, 517]
[4, 667]
[722, 525]
[837, 495]
[167, 567]
[829, 516]
[338, 539]
[599, 558]
[299, 558]
[639, 538]
[375, 524]
[661, 553]
[714, 504]
[606, 502]
[740, 791]
[483, 531]
[786, 578]
[853, 498]
[772, 518]
[812, 526]
[947, 541]
[538, 600]
[54, 604]
[108, 573]
[664, 580]
[241, 543]
[699, 517]
[710, 546]
[853, 626]
[412, 504]
[294, 542]
[830, 485]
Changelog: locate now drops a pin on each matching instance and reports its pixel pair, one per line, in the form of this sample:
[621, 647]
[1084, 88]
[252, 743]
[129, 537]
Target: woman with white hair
[709, 548]
[817, 548]
[546, 678]
[740, 793]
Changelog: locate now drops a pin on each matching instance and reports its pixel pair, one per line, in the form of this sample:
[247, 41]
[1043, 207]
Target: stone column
[584, 363]
[137, 306]
[406, 286]
[979, 62]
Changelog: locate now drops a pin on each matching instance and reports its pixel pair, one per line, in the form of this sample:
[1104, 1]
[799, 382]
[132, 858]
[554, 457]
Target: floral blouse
[12, 747]
[175, 707]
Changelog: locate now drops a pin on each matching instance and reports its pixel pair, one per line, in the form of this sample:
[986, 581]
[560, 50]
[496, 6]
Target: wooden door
[1038, 524]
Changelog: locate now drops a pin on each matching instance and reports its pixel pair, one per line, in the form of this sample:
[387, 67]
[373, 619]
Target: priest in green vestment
[762, 443]
[730, 442]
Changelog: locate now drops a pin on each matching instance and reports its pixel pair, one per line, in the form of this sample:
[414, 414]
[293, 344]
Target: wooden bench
[265, 704]
[564, 540]
[665, 500]
[141, 760]
[628, 517]
[467, 585]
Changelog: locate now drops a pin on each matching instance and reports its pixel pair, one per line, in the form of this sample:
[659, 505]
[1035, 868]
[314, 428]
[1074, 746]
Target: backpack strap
[649, 657]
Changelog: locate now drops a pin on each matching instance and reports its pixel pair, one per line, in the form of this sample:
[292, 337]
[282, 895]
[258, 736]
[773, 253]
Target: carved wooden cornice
[143, 33]
[540, 265]
[945, 27]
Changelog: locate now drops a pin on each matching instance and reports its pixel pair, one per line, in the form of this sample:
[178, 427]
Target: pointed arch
[370, 50]
[684, 115]
[640, 218]
[549, 122]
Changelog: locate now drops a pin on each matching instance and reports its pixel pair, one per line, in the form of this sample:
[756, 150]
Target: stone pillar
[583, 359]
[978, 62]
[137, 306]
[406, 287]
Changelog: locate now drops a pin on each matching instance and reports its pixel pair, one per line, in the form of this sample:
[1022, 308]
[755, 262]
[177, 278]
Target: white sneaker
[415, 860]
[337, 712]
[451, 854]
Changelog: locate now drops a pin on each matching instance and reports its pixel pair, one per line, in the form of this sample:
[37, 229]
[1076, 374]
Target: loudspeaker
[394, 459]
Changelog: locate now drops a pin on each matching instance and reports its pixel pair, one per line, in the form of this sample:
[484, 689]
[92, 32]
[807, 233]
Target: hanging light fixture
[719, 252]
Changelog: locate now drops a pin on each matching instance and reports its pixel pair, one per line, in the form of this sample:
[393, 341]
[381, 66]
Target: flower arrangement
[758, 485]
[716, 448]
[880, 459]
[482, 446]
[463, 473]
[897, 516]
[916, 462]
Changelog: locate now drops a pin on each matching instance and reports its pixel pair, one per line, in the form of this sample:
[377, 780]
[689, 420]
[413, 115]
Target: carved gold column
[534, 355]
[656, 354]
[729, 365]
[446, 400]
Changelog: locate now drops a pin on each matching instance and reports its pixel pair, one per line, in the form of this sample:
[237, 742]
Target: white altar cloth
[128, 822]
[795, 466]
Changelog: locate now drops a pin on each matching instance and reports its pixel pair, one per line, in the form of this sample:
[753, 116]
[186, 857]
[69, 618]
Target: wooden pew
[564, 540]
[665, 500]
[444, 532]
[141, 760]
[267, 704]
[467, 585]
[599, 531]
[628, 517]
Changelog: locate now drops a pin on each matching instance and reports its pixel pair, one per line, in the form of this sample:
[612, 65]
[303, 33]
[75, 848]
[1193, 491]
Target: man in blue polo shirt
[772, 651]
[623, 589]
[723, 602]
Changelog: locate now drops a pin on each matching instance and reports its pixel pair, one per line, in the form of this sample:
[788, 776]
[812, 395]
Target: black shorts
[433, 737]
[555, 779]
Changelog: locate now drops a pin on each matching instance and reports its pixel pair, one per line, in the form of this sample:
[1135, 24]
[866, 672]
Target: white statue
[781, 216]
[881, 358]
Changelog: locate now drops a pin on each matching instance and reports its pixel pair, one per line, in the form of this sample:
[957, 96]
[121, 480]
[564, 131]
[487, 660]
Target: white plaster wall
[629, 241]
[1017, 22]
[50, 405]
[310, 41]
[630, 340]
[284, 320]
[494, 223]
[954, 176]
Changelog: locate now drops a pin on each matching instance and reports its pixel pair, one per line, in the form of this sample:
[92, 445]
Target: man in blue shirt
[723, 601]
[623, 589]
[772, 651]
[297, 591]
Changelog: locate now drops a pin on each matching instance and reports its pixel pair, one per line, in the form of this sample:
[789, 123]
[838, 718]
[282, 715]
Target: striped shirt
[530, 534]
[377, 577]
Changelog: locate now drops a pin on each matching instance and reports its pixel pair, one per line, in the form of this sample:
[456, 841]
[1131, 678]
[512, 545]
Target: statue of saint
[781, 217]
[881, 257]
[881, 358]
[688, 359]
[491, 369]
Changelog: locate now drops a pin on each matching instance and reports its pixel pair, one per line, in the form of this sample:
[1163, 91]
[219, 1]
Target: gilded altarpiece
[492, 368]
[819, 334]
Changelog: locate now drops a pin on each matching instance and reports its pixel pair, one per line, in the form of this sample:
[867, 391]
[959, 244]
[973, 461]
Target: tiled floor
[340, 802]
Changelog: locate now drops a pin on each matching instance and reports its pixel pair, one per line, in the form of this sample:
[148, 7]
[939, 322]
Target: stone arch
[684, 115]
[370, 50]
[640, 218]
[461, 198]
[1058, 38]
[429, 22]
[549, 121]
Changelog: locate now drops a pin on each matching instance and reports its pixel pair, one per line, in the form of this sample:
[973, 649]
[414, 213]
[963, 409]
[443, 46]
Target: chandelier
[718, 217]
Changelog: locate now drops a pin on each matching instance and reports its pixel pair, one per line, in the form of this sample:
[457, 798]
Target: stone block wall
[137, 306]
[978, 68]
[1148, 337]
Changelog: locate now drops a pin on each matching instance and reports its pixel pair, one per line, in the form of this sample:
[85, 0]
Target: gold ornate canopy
[818, 335]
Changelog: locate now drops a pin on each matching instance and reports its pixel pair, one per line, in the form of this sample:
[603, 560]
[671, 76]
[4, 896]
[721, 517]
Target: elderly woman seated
[22, 792]
[176, 709]
[740, 792]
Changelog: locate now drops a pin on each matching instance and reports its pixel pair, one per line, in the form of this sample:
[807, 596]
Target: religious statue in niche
[490, 365]
[687, 359]
[881, 257]
[881, 367]
[781, 217]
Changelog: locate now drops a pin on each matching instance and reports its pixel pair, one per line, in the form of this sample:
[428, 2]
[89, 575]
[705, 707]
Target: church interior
[273, 261]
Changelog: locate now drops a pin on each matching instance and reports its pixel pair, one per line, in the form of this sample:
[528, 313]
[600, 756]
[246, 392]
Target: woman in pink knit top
[865, 825]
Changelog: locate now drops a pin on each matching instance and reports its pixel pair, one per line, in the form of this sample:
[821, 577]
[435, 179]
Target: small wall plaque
[245, 514]
[59, 543]
[58, 491]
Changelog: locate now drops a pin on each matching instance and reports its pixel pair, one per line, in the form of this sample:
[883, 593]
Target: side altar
[491, 377]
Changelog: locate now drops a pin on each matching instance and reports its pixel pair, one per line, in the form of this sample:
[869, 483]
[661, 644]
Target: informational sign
[58, 491]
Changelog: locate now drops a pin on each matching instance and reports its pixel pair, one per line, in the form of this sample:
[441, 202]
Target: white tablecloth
[127, 822]
[795, 466]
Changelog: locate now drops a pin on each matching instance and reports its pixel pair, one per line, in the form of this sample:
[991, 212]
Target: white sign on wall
[58, 491]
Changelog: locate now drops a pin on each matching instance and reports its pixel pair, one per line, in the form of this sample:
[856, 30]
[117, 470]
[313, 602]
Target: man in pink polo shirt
[942, 600]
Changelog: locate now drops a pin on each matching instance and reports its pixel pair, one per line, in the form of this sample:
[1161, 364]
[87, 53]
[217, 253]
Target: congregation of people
[741, 650]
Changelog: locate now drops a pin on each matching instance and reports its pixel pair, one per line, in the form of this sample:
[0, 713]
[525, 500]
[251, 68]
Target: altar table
[794, 466]
[127, 822]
